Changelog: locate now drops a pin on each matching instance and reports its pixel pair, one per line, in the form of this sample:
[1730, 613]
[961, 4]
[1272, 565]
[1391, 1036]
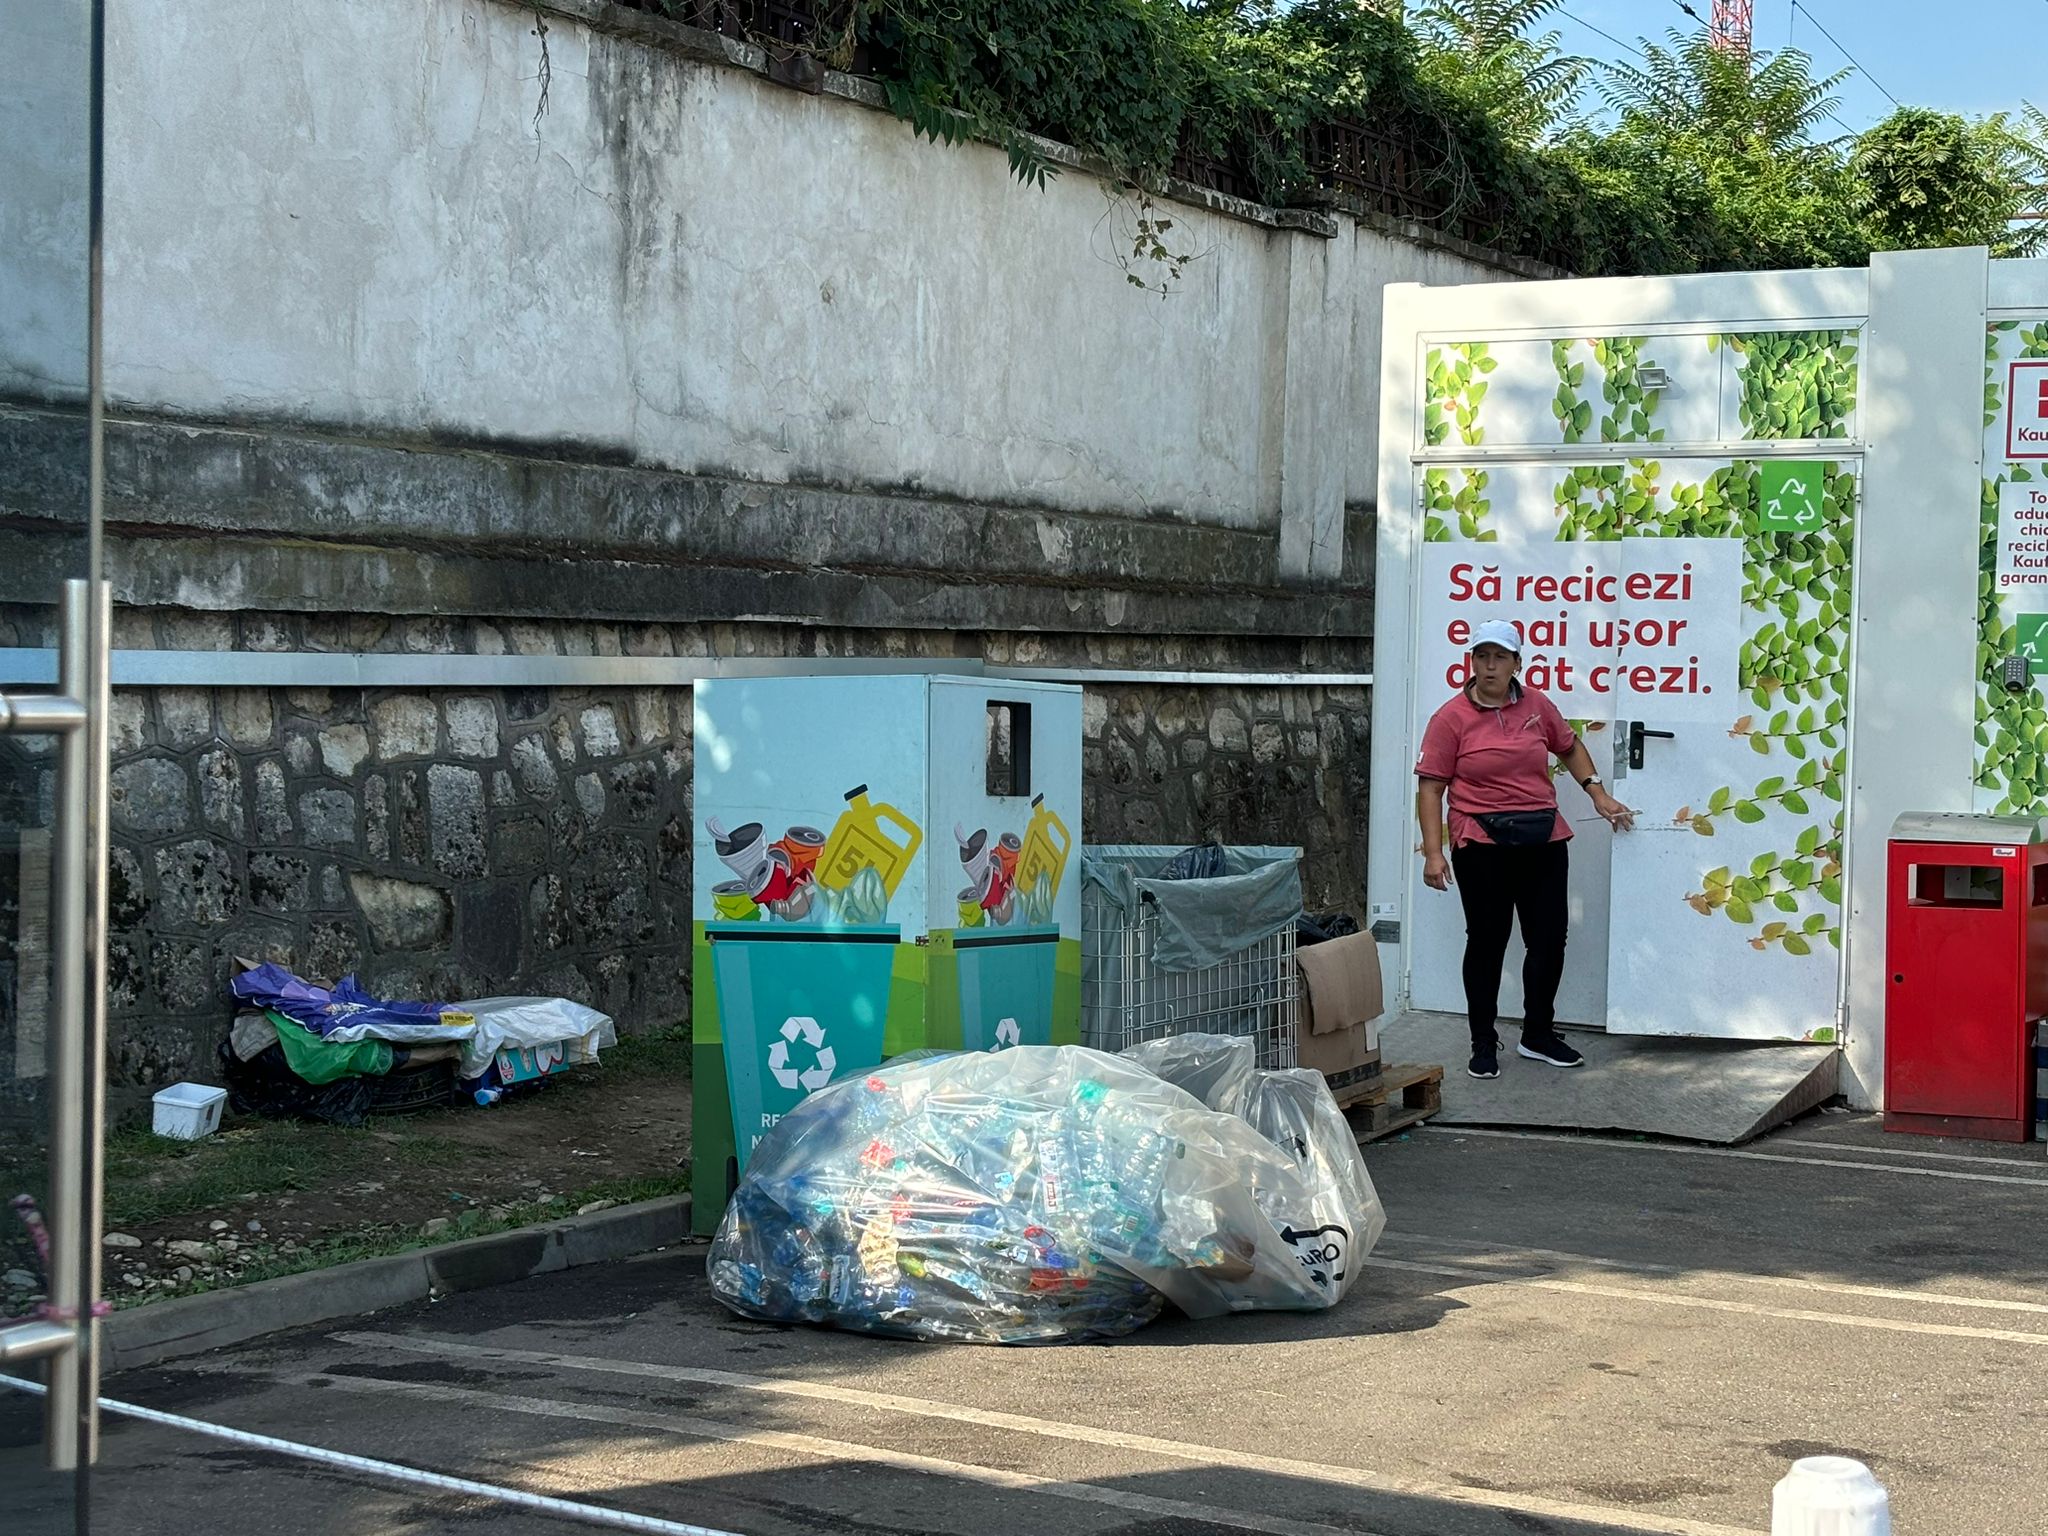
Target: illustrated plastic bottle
[1046, 846]
[869, 836]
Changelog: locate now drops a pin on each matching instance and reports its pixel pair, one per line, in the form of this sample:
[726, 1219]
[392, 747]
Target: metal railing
[66, 1333]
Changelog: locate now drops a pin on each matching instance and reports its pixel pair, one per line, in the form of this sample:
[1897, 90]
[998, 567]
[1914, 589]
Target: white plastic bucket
[1830, 1496]
[188, 1111]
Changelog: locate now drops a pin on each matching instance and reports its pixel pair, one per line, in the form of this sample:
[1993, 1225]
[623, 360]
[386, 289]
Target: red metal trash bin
[1966, 956]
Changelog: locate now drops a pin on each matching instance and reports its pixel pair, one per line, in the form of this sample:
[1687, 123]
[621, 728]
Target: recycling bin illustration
[809, 1008]
[880, 863]
[1006, 989]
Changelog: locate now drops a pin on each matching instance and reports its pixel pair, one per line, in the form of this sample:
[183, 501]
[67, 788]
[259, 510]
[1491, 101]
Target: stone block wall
[440, 845]
[476, 841]
[1235, 765]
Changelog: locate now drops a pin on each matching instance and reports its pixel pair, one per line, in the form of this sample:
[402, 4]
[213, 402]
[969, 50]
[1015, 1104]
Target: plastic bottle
[486, 1097]
[868, 836]
[1046, 845]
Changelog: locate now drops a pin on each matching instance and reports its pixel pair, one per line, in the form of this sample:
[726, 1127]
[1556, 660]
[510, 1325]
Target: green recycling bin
[799, 1008]
[1006, 988]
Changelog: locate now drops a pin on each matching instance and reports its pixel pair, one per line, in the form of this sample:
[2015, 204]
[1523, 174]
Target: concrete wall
[678, 265]
[351, 217]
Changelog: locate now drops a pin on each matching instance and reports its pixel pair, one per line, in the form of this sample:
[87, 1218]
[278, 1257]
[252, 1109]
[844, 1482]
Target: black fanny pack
[1519, 829]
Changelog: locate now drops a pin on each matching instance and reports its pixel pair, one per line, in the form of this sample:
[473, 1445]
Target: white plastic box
[188, 1111]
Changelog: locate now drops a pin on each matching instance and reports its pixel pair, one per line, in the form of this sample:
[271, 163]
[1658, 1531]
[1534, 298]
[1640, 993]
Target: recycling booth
[882, 863]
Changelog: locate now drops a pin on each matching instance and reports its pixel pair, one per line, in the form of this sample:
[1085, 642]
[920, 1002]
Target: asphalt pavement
[1565, 1335]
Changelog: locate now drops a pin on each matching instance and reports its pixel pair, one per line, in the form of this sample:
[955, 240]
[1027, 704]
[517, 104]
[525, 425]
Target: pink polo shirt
[1495, 759]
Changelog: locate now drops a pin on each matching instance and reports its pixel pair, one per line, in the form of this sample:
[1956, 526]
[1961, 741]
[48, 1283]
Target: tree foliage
[1930, 178]
[1491, 53]
[1729, 143]
[1705, 160]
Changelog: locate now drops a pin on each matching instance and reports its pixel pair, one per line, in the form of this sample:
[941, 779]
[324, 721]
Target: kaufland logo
[2026, 410]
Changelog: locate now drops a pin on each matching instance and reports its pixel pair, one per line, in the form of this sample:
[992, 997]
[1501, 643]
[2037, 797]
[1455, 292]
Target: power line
[1631, 47]
[1797, 8]
[1636, 49]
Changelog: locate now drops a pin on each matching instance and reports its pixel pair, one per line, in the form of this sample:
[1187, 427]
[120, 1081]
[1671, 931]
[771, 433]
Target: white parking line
[2019, 1161]
[832, 1450]
[1712, 1303]
[1086, 1434]
[1512, 1252]
[1607, 1143]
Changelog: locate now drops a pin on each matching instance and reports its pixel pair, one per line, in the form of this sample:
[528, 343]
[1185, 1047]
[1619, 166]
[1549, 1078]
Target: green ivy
[1612, 501]
[1796, 384]
[1629, 406]
[1454, 388]
[1463, 509]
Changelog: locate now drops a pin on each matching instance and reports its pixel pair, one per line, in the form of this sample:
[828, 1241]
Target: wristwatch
[1589, 781]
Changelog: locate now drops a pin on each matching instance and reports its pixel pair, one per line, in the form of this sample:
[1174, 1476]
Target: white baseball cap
[1497, 632]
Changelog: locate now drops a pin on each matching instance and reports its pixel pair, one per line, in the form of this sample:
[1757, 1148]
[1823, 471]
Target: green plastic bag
[321, 1061]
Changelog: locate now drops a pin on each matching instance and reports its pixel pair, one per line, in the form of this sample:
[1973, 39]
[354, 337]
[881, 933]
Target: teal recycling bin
[1006, 988]
[800, 1008]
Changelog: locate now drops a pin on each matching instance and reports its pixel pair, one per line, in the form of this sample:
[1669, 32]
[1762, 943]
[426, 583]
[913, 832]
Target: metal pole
[69, 1068]
[97, 598]
[88, 633]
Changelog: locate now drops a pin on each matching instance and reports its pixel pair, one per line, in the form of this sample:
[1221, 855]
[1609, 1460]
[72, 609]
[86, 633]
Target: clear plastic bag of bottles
[1044, 1193]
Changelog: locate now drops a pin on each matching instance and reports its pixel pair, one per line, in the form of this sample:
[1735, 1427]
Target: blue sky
[1969, 56]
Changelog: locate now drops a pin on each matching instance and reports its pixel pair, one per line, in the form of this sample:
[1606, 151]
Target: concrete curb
[191, 1325]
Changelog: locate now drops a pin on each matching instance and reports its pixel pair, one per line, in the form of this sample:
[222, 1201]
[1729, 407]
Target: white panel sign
[2023, 537]
[1662, 636]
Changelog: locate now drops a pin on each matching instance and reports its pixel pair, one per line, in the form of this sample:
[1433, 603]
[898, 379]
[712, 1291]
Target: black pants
[1497, 885]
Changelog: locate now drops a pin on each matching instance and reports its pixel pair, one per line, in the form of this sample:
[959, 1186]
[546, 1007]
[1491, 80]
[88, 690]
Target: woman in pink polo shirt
[1490, 747]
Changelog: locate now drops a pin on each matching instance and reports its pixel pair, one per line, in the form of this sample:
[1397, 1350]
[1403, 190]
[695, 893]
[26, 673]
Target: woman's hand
[1618, 816]
[1436, 872]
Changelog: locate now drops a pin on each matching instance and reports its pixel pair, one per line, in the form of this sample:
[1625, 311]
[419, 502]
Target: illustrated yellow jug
[877, 837]
[1046, 845]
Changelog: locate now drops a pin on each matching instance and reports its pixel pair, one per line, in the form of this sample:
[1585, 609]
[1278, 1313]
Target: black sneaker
[1550, 1049]
[1485, 1061]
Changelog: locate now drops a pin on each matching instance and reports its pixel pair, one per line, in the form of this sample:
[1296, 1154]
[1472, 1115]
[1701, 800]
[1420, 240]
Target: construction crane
[1730, 28]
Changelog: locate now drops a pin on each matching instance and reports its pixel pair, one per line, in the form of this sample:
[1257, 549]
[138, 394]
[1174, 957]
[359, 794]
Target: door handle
[1638, 733]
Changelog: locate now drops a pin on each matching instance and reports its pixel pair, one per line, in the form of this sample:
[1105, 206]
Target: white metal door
[1726, 901]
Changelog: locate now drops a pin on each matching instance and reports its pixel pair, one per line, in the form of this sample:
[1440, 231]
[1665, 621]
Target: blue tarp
[346, 1011]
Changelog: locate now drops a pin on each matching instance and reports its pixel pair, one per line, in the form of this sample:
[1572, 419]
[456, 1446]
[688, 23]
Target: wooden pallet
[1404, 1096]
[1362, 1083]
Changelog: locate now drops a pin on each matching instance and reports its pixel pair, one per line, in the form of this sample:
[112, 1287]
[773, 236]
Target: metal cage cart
[1210, 952]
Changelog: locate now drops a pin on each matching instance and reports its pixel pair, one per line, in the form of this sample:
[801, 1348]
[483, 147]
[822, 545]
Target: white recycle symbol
[814, 1077]
[1007, 1034]
[1803, 513]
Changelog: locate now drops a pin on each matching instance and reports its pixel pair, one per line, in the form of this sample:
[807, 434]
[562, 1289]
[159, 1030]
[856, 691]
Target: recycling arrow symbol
[1007, 1034]
[1804, 513]
[824, 1061]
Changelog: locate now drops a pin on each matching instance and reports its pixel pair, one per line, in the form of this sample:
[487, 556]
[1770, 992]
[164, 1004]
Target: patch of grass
[665, 1053]
[150, 1177]
[379, 1242]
